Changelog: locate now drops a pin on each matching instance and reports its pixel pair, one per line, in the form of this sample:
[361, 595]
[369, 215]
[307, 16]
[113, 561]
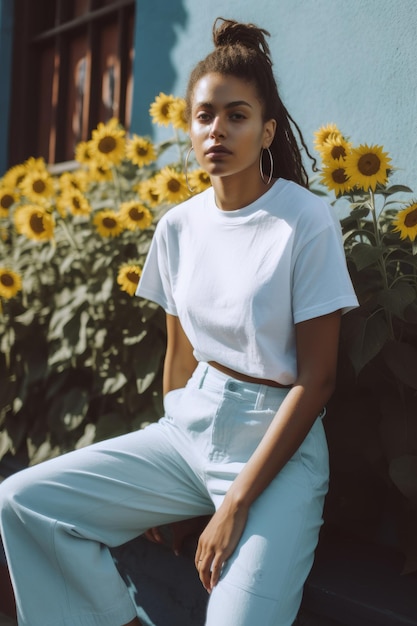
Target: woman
[253, 279]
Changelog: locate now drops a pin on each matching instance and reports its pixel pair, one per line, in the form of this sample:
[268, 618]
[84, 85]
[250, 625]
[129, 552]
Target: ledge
[352, 583]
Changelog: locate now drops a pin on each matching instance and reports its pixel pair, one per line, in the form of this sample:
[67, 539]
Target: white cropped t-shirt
[239, 280]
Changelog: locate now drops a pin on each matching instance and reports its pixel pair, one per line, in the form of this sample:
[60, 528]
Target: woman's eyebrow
[229, 105]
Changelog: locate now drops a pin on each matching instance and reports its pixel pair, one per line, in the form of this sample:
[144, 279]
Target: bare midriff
[245, 378]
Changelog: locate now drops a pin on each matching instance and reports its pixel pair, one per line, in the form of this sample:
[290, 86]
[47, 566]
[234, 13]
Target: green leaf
[68, 410]
[401, 358]
[395, 189]
[403, 473]
[109, 425]
[8, 391]
[114, 383]
[397, 299]
[147, 357]
[363, 255]
[364, 338]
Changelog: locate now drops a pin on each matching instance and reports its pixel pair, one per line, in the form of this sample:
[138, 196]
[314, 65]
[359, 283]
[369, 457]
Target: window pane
[80, 7]
[77, 81]
[45, 125]
[45, 17]
[109, 72]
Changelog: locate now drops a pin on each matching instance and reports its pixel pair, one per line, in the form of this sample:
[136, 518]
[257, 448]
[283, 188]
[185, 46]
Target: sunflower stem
[68, 235]
[381, 260]
[178, 142]
[117, 185]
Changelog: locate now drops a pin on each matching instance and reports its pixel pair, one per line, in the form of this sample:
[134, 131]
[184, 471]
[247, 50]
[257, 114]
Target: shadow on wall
[156, 31]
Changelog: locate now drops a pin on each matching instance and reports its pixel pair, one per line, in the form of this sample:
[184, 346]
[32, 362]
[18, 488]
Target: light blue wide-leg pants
[59, 518]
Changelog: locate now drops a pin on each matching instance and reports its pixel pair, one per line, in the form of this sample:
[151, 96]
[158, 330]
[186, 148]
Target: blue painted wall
[351, 62]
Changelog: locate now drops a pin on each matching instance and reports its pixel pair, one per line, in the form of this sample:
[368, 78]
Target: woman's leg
[58, 519]
[263, 580]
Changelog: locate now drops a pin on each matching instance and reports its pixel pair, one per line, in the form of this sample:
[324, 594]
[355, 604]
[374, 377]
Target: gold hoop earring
[271, 162]
[187, 156]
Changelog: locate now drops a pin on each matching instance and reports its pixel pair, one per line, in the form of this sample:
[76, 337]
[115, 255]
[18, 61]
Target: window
[72, 68]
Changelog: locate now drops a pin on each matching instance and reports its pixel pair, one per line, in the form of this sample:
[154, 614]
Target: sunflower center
[135, 214]
[165, 109]
[107, 144]
[6, 201]
[142, 150]
[173, 185]
[39, 186]
[109, 222]
[339, 176]
[337, 152]
[411, 219]
[36, 224]
[132, 277]
[7, 280]
[369, 164]
[76, 203]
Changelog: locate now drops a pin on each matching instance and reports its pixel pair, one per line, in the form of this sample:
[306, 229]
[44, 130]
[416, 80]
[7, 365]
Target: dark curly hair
[241, 50]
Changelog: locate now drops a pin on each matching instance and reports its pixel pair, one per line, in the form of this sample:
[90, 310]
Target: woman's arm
[179, 364]
[317, 345]
[179, 361]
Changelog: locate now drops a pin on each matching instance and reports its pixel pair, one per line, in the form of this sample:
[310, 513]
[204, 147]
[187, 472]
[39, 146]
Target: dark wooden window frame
[29, 41]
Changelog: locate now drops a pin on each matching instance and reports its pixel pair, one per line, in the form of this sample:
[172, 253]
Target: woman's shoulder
[183, 211]
[303, 206]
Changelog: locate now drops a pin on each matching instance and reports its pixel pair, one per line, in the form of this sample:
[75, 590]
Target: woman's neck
[232, 193]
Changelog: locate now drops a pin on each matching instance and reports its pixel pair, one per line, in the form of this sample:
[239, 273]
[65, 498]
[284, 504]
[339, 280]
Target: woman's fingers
[154, 535]
[209, 566]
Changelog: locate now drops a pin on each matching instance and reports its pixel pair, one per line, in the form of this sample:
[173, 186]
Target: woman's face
[227, 129]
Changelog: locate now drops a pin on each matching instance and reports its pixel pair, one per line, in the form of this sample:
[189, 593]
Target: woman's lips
[217, 151]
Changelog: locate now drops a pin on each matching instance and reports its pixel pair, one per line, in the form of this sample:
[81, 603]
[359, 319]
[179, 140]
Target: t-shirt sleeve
[155, 283]
[321, 281]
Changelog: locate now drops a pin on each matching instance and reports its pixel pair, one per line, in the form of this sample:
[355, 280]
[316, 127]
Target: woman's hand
[218, 541]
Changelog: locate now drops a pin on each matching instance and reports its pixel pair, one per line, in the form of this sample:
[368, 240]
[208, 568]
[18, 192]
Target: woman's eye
[203, 117]
[237, 116]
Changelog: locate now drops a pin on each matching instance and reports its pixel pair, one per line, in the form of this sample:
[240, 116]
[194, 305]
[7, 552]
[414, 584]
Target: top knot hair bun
[232, 33]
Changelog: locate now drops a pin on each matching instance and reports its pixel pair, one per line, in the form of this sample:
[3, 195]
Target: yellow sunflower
[177, 111]
[199, 180]
[367, 166]
[135, 215]
[160, 109]
[34, 222]
[108, 144]
[74, 202]
[10, 283]
[324, 133]
[14, 176]
[33, 164]
[140, 151]
[7, 199]
[171, 186]
[83, 152]
[99, 173]
[335, 178]
[406, 222]
[70, 181]
[38, 185]
[128, 278]
[108, 223]
[148, 192]
[335, 148]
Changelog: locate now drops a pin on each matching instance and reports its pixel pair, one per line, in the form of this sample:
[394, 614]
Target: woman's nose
[216, 129]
